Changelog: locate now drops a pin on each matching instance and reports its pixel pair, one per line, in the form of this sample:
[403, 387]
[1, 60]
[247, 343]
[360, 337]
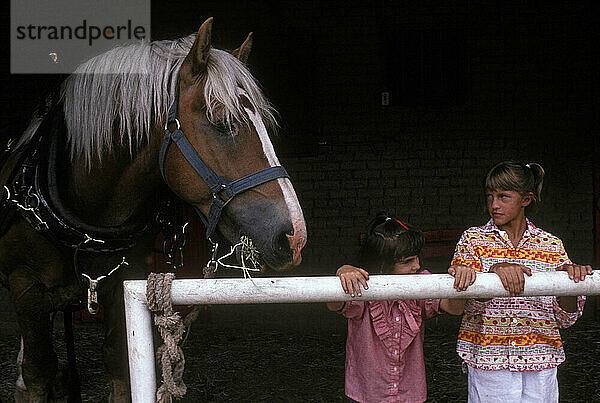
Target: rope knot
[170, 326]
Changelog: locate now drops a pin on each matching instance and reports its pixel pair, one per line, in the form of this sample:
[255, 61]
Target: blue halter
[223, 189]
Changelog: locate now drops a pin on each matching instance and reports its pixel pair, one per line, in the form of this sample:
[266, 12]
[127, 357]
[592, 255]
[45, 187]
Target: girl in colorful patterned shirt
[384, 348]
[511, 346]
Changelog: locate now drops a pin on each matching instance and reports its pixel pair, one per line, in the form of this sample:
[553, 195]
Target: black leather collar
[35, 194]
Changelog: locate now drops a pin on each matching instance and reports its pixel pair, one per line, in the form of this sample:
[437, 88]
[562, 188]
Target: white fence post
[140, 346]
[310, 289]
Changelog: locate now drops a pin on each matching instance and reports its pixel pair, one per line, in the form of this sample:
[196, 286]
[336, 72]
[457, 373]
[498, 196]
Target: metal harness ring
[7, 193]
[171, 121]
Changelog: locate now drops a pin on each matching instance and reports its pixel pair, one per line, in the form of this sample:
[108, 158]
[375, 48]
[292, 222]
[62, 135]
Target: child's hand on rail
[351, 278]
[576, 272]
[463, 275]
[511, 275]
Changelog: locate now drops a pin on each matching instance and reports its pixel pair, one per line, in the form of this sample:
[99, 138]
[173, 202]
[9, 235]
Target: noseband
[223, 189]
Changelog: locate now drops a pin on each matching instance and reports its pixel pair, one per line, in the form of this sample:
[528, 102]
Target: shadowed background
[468, 83]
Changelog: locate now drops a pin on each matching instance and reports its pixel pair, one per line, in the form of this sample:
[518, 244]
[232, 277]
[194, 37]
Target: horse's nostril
[283, 243]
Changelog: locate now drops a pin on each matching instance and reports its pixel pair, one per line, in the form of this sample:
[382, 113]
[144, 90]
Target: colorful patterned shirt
[516, 333]
[384, 349]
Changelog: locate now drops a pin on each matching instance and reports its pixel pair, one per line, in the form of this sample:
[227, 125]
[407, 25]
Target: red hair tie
[400, 222]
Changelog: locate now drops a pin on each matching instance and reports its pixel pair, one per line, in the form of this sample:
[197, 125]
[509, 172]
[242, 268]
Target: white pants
[505, 386]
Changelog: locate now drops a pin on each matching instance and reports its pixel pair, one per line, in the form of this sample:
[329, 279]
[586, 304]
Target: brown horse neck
[117, 188]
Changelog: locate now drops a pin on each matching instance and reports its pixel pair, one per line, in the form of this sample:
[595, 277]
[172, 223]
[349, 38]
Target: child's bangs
[501, 179]
[409, 243]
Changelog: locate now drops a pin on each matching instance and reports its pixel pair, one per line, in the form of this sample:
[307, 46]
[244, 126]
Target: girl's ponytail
[379, 219]
[538, 181]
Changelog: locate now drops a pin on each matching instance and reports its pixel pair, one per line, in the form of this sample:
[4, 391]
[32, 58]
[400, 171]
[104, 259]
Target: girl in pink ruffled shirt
[384, 348]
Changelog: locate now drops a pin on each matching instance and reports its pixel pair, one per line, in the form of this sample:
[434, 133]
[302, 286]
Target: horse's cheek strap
[192, 157]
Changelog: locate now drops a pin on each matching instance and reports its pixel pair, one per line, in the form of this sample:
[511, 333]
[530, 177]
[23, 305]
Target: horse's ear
[243, 51]
[201, 48]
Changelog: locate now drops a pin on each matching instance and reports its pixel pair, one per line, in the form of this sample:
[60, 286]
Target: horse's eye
[225, 129]
[221, 126]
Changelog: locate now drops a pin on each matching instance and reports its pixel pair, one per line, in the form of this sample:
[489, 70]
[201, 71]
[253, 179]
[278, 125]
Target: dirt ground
[294, 353]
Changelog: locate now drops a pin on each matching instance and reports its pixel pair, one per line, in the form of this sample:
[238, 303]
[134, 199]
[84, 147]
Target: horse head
[227, 121]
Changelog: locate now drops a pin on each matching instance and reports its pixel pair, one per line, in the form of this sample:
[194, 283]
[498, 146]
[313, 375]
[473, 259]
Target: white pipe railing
[310, 289]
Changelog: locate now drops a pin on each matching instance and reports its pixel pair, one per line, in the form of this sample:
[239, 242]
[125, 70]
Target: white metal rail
[310, 289]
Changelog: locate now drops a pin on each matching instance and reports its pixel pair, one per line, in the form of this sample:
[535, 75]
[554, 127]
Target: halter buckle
[223, 191]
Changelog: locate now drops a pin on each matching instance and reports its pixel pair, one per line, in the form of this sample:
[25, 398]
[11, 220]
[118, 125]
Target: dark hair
[388, 241]
[526, 179]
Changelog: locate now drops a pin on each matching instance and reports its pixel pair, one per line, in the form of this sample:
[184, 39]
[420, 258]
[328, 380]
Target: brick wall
[529, 97]
[433, 182]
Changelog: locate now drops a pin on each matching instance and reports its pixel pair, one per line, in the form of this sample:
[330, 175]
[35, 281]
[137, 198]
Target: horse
[129, 125]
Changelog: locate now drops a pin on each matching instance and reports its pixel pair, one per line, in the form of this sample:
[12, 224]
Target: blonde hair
[526, 179]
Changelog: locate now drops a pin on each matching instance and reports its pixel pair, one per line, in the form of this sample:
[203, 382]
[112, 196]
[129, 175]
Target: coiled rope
[169, 356]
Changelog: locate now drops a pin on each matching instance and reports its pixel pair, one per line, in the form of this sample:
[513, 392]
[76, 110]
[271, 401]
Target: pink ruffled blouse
[384, 349]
